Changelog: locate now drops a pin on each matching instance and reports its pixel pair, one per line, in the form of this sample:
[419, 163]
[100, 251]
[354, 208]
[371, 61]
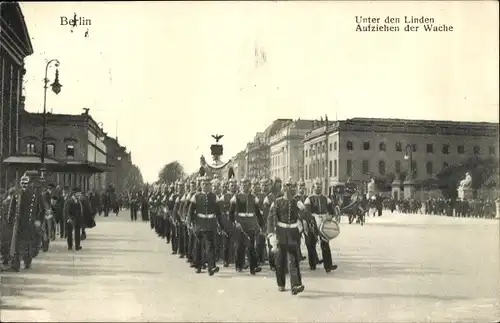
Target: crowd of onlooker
[65, 213]
[477, 208]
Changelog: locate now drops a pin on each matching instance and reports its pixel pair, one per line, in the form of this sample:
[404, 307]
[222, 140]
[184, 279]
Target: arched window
[349, 145]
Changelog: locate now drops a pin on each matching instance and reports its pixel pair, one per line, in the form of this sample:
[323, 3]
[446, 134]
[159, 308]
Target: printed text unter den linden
[405, 23]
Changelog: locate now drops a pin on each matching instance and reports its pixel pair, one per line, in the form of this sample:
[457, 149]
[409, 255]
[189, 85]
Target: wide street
[395, 268]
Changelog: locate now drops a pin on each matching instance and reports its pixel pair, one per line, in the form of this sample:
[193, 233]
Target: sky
[164, 76]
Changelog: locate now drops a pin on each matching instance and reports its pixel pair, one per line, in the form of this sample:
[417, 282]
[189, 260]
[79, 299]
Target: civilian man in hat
[204, 216]
[284, 236]
[244, 212]
[321, 208]
[74, 217]
[134, 204]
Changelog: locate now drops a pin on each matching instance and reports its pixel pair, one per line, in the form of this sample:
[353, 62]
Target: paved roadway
[395, 268]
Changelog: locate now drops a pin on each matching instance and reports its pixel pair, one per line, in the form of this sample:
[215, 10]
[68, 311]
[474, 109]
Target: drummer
[321, 208]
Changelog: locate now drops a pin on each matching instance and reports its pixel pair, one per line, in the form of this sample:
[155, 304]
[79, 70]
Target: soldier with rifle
[230, 188]
[173, 206]
[203, 217]
[244, 212]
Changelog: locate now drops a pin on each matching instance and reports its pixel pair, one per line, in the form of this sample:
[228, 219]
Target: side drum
[329, 230]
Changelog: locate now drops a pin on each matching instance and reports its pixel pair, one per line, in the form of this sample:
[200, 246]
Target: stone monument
[465, 190]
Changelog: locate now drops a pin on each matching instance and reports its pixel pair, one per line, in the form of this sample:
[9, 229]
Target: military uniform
[228, 243]
[261, 238]
[321, 209]
[267, 203]
[245, 213]
[304, 228]
[204, 216]
[28, 212]
[174, 225]
[283, 232]
[187, 239]
[167, 224]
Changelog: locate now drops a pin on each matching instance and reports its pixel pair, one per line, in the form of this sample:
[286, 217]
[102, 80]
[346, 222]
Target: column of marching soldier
[248, 225]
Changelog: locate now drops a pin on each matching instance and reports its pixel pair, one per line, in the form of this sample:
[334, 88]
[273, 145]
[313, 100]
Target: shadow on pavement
[316, 294]
[85, 270]
[11, 307]
[14, 285]
[104, 239]
[114, 251]
[350, 269]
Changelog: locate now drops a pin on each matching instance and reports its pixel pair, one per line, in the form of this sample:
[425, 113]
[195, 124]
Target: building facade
[287, 150]
[238, 163]
[75, 151]
[258, 154]
[15, 46]
[362, 148]
[120, 162]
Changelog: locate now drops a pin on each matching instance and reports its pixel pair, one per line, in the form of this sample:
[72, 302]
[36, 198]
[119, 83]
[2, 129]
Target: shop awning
[34, 162]
[86, 167]
[58, 166]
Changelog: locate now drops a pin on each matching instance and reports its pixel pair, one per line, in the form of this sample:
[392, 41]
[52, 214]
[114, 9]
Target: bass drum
[329, 230]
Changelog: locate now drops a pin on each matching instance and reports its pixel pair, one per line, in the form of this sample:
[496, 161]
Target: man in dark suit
[74, 215]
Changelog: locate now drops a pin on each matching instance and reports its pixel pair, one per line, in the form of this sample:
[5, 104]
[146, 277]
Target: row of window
[398, 146]
[51, 150]
[318, 170]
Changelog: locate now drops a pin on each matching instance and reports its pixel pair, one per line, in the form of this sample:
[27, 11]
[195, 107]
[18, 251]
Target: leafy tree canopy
[484, 174]
[171, 172]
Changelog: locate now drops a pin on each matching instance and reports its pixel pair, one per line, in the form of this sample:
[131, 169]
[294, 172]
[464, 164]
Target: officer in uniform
[321, 209]
[284, 236]
[28, 213]
[244, 212]
[228, 244]
[204, 216]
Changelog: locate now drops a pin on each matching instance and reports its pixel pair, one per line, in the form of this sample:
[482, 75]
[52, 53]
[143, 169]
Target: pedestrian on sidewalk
[73, 217]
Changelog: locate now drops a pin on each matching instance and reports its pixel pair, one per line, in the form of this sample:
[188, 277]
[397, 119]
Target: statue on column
[466, 182]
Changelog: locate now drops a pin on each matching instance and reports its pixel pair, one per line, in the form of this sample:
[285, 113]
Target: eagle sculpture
[217, 137]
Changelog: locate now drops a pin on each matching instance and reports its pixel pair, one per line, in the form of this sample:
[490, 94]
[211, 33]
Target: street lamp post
[56, 88]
